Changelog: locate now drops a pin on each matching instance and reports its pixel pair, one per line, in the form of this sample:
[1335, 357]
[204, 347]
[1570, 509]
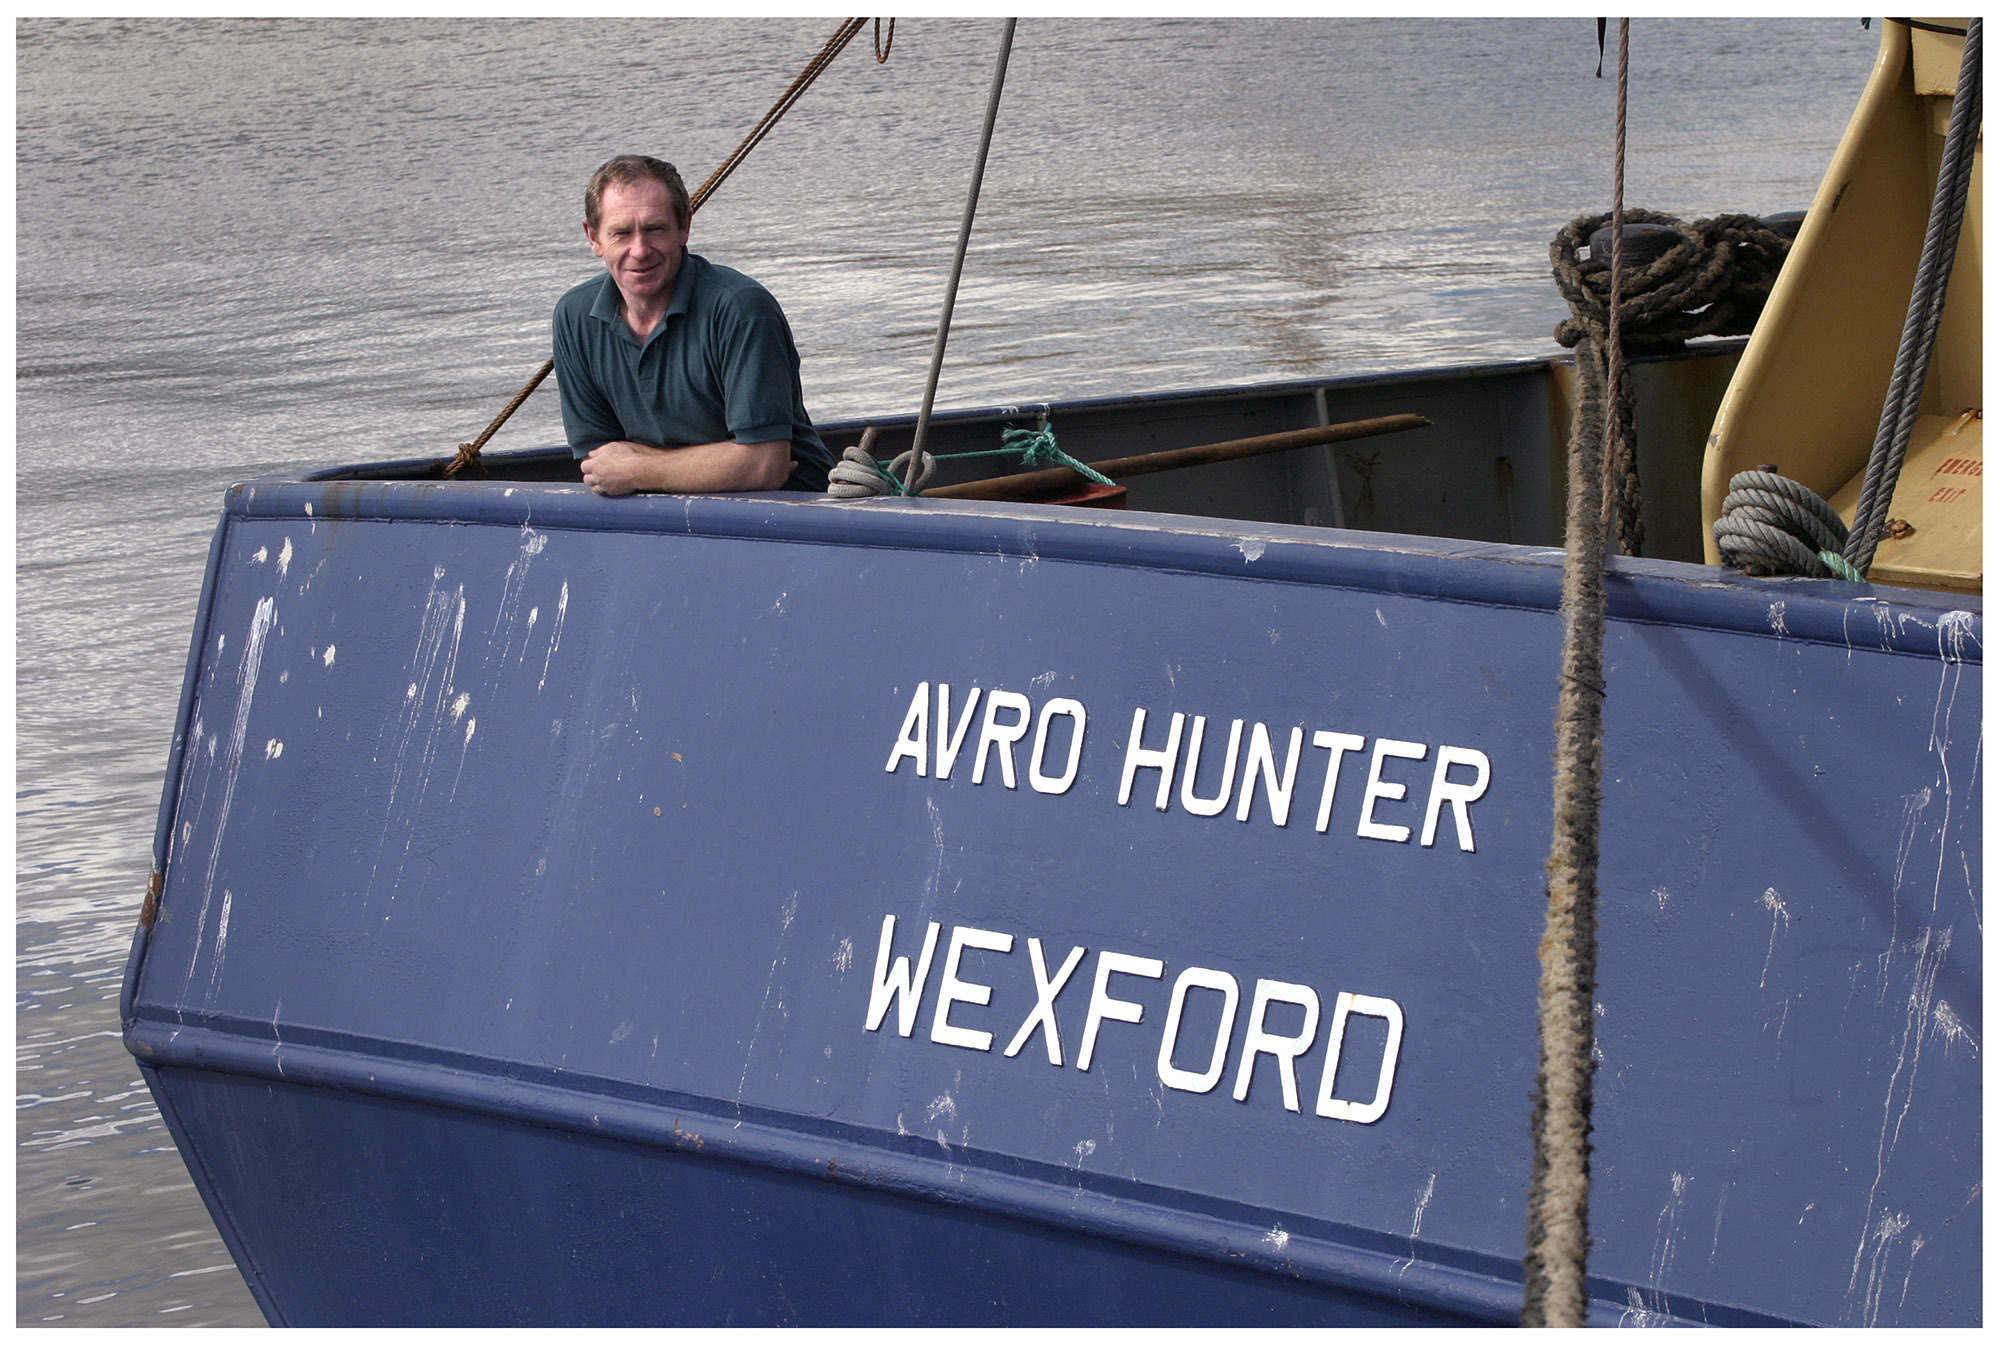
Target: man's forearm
[622, 467]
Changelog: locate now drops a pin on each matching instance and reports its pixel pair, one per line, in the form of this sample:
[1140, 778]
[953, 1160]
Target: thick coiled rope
[1772, 524]
[857, 476]
[1712, 281]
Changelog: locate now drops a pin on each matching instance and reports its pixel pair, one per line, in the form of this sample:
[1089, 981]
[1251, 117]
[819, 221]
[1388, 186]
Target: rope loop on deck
[1712, 281]
[859, 475]
[1772, 525]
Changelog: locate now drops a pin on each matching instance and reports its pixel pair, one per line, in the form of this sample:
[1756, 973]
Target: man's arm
[587, 415]
[622, 467]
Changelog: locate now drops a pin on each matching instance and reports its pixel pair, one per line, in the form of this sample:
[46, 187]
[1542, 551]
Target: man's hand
[622, 467]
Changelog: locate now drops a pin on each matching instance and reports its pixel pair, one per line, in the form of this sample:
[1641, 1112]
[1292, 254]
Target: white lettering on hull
[1209, 773]
[1008, 716]
[1281, 1028]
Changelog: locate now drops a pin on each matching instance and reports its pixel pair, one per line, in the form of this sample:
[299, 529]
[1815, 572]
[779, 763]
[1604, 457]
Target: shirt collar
[692, 268]
[606, 308]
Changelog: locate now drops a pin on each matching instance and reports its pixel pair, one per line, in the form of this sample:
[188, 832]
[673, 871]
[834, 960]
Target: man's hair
[627, 169]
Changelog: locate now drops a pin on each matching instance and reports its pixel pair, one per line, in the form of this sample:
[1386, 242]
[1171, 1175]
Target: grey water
[246, 246]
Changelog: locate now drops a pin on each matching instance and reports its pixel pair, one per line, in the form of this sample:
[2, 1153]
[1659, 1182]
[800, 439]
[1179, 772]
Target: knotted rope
[468, 454]
[858, 475]
[1037, 448]
[1711, 281]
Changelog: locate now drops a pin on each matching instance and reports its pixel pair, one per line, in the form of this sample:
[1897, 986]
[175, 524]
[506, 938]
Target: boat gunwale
[1491, 574]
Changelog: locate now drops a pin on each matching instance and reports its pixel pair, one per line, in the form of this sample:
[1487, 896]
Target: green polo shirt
[719, 366]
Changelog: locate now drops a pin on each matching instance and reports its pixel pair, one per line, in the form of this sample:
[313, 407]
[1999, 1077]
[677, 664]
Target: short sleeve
[759, 369]
[588, 420]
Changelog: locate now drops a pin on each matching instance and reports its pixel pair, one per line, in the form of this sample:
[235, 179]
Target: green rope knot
[1038, 448]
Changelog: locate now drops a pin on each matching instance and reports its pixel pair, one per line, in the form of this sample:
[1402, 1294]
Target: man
[675, 374]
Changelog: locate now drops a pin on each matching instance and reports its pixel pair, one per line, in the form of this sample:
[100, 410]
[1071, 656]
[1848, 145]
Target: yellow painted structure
[1807, 395]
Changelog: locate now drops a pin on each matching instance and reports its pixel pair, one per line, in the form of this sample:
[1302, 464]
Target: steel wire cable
[1920, 326]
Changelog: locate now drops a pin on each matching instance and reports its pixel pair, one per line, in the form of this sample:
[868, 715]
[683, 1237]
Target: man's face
[638, 239]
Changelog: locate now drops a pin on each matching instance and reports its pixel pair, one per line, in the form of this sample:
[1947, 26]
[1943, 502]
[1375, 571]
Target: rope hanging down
[1710, 278]
[468, 454]
[1553, 1272]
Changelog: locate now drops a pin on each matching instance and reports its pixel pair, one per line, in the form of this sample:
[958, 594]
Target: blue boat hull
[626, 911]
[589, 1230]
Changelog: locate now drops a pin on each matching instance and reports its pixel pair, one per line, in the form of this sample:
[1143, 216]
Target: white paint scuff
[420, 721]
[1888, 1229]
[1667, 1232]
[1423, 1204]
[221, 944]
[1776, 906]
[513, 584]
[261, 622]
[555, 634]
[1952, 1028]
[771, 999]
